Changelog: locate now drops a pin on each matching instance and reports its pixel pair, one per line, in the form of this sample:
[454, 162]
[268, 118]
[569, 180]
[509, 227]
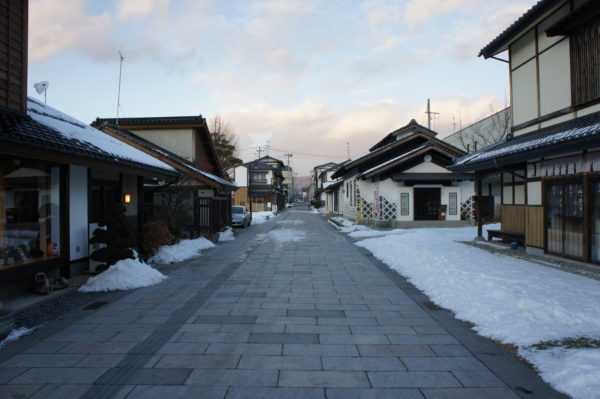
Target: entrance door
[564, 219]
[427, 203]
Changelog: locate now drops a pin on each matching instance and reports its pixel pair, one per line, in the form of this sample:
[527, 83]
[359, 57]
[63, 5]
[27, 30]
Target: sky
[318, 79]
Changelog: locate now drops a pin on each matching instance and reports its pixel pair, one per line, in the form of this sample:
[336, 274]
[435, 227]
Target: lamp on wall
[127, 198]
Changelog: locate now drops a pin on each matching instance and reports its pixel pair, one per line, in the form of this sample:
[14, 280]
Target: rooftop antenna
[429, 113]
[119, 92]
[42, 87]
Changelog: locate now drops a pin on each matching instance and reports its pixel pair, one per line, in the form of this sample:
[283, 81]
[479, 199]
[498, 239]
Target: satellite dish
[41, 87]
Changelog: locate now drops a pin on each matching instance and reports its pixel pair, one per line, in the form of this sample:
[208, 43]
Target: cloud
[313, 128]
[140, 8]
[57, 26]
[421, 12]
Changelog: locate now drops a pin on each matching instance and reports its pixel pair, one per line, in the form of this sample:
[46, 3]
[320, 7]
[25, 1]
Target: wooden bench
[510, 236]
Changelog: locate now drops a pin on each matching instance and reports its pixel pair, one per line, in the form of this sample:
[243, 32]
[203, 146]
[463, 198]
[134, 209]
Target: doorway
[427, 203]
[564, 219]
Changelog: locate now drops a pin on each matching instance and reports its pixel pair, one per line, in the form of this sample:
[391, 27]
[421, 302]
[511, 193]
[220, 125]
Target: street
[289, 309]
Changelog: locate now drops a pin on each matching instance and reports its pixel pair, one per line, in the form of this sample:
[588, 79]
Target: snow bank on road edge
[126, 274]
[262, 217]
[226, 235]
[183, 250]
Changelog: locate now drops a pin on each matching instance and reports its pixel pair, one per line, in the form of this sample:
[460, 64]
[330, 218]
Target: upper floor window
[259, 177]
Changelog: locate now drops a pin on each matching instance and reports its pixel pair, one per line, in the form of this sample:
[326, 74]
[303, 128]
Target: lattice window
[467, 209]
[367, 210]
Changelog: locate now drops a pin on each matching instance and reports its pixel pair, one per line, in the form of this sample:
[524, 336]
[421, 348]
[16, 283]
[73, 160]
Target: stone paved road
[255, 318]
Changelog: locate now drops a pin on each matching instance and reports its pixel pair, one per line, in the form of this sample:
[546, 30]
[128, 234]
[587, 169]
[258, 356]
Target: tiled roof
[535, 12]
[20, 129]
[155, 120]
[164, 152]
[574, 135]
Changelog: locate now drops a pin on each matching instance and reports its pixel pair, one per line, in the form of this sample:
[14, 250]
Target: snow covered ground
[183, 250]
[508, 299]
[15, 334]
[126, 274]
[262, 217]
[226, 235]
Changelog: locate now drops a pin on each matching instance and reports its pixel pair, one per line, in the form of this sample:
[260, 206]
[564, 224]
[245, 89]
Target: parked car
[240, 217]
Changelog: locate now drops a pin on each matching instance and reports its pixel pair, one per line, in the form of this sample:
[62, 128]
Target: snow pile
[573, 371]
[183, 250]
[262, 217]
[16, 334]
[226, 235]
[285, 235]
[126, 274]
[508, 299]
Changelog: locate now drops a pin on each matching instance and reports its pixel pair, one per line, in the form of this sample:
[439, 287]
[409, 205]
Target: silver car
[240, 217]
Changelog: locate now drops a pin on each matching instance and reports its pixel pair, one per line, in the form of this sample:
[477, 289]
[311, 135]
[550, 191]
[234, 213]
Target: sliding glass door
[564, 219]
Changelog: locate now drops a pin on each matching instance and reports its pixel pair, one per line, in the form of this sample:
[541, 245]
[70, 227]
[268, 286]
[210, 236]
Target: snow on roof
[522, 145]
[72, 128]
[381, 165]
[330, 183]
[211, 176]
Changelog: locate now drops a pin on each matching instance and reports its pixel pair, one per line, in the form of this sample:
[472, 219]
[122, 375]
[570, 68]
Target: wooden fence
[534, 226]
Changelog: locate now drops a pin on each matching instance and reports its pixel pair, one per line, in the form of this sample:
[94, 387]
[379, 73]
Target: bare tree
[487, 131]
[225, 143]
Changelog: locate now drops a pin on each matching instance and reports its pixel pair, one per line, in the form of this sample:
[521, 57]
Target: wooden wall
[240, 197]
[534, 226]
[513, 218]
[13, 54]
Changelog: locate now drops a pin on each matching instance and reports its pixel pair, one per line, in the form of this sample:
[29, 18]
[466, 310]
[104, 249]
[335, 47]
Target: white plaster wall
[346, 208]
[78, 211]
[178, 141]
[555, 78]
[523, 49]
[588, 110]
[467, 190]
[411, 202]
[445, 200]
[524, 95]
[240, 176]
[559, 119]
[520, 194]
[534, 193]
[427, 167]
[543, 40]
[130, 187]
[525, 130]
[507, 195]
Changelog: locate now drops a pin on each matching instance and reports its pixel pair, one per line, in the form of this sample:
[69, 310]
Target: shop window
[29, 211]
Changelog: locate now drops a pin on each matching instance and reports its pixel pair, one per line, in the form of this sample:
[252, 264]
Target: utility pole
[453, 124]
[259, 151]
[348, 150]
[429, 113]
[119, 91]
[290, 189]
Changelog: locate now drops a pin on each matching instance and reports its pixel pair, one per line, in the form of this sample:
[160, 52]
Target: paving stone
[46, 347]
[260, 378]
[280, 362]
[58, 375]
[348, 321]
[42, 360]
[469, 393]
[101, 360]
[180, 392]
[373, 393]
[412, 379]
[7, 374]
[287, 338]
[325, 379]
[478, 379]
[422, 339]
[384, 330]
[320, 350]
[225, 320]
[147, 376]
[443, 364]
[248, 328]
[352, 339]
[316, 313]
[214, 337]
[98, 347]
[362, 363]
[18, 391]
[244, 349]
[395, 350]
[314, 329]
[72, 391]
[183, 348]
[450, 350]
[198, 362]
[275, 393]
[286, 320]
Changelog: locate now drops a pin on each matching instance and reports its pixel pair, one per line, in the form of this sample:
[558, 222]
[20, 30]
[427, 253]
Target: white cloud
[57, 26]
[420, 12]
[140, 8]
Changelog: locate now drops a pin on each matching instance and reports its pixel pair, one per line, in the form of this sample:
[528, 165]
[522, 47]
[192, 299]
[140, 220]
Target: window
[259, 177]
[452, 204]
[29, 211]
[404, 204]
[564, 219]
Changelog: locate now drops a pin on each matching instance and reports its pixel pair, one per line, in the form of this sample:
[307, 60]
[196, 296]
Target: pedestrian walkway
[259, 318]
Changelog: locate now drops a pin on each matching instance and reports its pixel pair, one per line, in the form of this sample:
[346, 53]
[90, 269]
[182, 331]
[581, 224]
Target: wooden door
[427, 203]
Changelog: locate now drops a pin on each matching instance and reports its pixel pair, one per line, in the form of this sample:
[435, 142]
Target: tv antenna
[119, 91]
[429, 114]
[42, 87]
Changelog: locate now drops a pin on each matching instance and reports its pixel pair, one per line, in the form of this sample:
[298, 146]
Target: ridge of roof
[155, 120]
